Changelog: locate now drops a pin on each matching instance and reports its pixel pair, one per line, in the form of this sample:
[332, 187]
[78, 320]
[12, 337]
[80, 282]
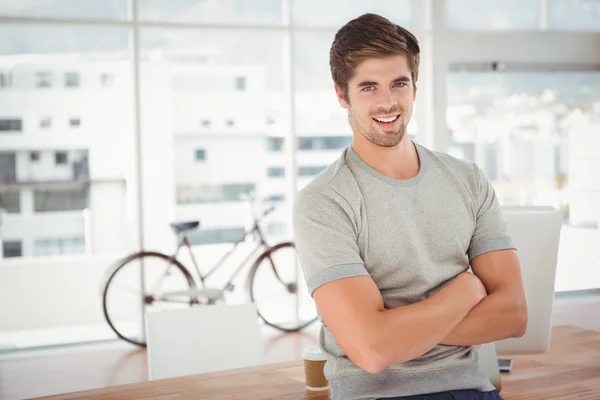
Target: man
[386, 236]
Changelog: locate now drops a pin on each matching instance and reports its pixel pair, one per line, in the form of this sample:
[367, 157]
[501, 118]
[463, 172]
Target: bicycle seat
[184, 226]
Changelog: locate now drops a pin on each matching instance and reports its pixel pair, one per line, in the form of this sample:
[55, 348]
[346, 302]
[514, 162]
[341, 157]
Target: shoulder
[447, 165]
[333, 187]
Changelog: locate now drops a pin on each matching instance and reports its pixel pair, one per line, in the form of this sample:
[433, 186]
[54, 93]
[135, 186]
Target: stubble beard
[375, 135]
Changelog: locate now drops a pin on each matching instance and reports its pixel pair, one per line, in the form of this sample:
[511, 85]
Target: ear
[340, 97]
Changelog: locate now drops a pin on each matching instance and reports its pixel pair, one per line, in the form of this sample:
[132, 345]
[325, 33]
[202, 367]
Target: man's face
[380, 100]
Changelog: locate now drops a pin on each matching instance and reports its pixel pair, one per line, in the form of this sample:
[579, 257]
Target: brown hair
[370, 36]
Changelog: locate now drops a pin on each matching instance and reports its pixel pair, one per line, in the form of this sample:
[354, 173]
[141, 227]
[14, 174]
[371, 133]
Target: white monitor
[535, 232]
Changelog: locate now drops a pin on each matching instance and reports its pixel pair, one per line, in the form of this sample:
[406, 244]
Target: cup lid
[314, 354]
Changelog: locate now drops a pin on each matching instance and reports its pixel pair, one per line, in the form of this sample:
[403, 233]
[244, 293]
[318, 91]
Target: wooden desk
[570, 370]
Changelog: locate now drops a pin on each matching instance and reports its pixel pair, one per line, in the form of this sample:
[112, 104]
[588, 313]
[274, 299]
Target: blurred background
[118, 117]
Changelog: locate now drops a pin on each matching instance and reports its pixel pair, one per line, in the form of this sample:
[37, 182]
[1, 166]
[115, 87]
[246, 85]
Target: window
[71, 79]
[275, 172]
[10, 200]
[324, 142]
[107, 80]
[49, 204]
[493, 14]
[205, 123]
[5, 80]
[275, 144]
[46, 122]
[74, 122]
[8, 167]
[275, 197]
[240, 83]
[12, 248]
[230, 122]
[43, 80]
[310, 171]
[60, 158]
[579, 15]
[200, 155]
[104, 9]
[229, 12]
[213, 193]
[215, 236]
[58, 246]
[11, 125]
[535, 136]
[60, 199]
[335, 13]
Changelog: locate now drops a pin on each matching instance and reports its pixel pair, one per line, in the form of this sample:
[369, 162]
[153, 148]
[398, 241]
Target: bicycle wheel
[277, 287]
[125, 303]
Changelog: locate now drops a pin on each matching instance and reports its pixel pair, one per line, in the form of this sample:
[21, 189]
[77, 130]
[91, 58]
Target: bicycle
[184, 292]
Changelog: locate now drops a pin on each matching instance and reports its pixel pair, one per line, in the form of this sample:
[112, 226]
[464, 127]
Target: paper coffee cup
[314, 364]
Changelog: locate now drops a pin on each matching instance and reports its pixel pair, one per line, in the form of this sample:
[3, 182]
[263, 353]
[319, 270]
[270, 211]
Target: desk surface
[571, 369]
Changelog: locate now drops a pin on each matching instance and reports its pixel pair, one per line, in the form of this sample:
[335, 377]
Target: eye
[400, 84]
[368, 88]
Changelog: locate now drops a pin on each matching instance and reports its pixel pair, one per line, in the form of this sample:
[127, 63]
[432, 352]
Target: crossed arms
[480, 307]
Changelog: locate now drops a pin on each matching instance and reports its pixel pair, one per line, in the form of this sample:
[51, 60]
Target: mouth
[387, 121]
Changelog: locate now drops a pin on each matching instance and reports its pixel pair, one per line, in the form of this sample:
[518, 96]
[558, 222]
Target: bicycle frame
[262, 245]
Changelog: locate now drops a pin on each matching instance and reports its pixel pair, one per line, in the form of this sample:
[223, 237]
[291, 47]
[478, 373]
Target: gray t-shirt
[412, 237]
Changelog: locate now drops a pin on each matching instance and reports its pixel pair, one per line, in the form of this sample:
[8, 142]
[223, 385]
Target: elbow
[367, 356]
[371, 362]
[520, 318]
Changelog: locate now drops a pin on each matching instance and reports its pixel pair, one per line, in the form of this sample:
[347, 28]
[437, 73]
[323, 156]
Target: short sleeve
[490, 227]
[325, 234]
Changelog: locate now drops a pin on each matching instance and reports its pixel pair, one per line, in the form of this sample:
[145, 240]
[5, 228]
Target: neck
[399, 162]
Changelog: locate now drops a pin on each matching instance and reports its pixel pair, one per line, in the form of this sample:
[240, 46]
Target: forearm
[405, 333]
[496, 317]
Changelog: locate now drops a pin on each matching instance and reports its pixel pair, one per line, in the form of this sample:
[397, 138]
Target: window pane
[537, 137]
[275, 172]
[493, 14]
[67, 193]
[59, 246]
[43, 79]
[255, 12]
[317, 108]
[89, 9]
[46, 123]
[72, 80]
[11, 248]
[10, 125]
[10, 200]
[60, 199]
[8, 167]
[335, 13]
[189, 76]
[579, 15]
[201, 194]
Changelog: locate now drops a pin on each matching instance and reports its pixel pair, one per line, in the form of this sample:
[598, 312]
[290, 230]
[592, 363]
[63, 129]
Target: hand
[471, 286]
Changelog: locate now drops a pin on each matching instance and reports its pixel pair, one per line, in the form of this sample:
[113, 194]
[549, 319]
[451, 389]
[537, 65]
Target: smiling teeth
[391, 119]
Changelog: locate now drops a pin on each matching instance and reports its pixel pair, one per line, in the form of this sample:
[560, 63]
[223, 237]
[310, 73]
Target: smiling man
[386, 236]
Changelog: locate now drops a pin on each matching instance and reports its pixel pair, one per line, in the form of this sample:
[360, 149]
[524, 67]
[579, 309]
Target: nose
[386, 99]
